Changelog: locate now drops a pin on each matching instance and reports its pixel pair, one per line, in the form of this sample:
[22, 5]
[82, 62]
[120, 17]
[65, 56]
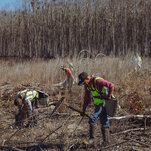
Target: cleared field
[41, 75]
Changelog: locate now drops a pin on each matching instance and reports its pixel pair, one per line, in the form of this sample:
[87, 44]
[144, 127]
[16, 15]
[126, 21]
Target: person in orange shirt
[69, 78]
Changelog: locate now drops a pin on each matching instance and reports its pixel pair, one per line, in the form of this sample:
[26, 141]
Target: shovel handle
[77, 110]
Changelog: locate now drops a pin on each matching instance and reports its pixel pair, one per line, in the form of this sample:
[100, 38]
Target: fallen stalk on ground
[129, 116]
[126, 141]
[55, 130]
[57, 106]
[129, 130]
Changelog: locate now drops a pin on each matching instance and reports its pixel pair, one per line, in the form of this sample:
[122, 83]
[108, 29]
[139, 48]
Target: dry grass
[117, 70]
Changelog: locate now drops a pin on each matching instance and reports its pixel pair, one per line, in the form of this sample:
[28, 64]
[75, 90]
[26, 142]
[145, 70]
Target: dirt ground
[65, 130]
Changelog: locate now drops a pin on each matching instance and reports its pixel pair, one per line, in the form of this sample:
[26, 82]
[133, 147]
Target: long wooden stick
[13, 135]
[54, 130]
[129, 130]
[143, 144]
[116, 144]
[126, 141]
[77, 126]
[129, 116]
[50, 134]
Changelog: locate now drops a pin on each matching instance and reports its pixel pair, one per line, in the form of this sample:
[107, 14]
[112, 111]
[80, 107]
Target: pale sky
[10, 4]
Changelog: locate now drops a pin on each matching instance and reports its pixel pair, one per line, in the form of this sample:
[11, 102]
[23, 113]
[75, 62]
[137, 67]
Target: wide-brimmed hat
[81, 77]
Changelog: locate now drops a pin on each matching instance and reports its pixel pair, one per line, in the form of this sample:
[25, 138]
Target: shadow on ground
[40, 147]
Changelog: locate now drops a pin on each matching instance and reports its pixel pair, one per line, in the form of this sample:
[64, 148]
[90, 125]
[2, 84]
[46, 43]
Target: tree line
[50, 29]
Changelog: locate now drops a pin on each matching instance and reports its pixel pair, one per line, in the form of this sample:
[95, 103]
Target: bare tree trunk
[113, 26]
[146, 29]
[135, 30]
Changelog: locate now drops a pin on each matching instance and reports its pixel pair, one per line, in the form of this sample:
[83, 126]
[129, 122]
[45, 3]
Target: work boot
[106, 136]
[91, 132]
[91, 135]
[90, 142]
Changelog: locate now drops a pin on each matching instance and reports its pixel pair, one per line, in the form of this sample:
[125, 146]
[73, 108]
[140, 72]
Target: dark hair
[15, 102]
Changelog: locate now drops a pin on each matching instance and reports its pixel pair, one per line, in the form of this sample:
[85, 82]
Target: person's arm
[29, 108]
[101, 82]
[68, 72]
[19, 109]
[86, 98]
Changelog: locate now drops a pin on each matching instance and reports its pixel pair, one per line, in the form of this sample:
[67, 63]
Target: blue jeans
[99, 111]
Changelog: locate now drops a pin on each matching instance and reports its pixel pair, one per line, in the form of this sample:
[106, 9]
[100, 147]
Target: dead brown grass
[120, 71]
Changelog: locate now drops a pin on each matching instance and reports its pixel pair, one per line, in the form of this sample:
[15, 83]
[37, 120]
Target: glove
[82, 113]
[104, 96]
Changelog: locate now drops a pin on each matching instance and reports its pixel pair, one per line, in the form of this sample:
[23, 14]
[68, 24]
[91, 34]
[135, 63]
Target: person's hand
[104, 96]
[26, 124]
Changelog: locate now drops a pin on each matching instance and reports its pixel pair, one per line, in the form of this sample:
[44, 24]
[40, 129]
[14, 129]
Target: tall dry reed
[120, 71]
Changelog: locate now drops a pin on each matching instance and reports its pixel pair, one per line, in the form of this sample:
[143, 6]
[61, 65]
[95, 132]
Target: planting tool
[77, 110]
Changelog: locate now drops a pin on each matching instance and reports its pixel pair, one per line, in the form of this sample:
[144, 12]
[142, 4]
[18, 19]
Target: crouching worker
[96, 86]
[25, 101]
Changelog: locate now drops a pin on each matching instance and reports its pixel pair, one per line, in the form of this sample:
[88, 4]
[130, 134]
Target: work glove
[82, 113]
